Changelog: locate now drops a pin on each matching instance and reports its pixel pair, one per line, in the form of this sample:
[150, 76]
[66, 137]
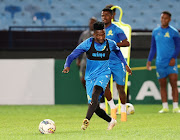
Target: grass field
[21, 123]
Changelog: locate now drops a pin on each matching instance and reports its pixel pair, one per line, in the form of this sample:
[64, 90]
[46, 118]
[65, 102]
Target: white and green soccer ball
[129, 108]
[47, 126]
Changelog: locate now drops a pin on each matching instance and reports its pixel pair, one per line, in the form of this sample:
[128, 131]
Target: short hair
[98, 25]
[166, 12]
[108, 9]
[111, 5]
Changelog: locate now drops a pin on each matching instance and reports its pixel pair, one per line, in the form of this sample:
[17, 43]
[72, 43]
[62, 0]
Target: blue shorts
[163, 72]
[119, 73]
[101, 81]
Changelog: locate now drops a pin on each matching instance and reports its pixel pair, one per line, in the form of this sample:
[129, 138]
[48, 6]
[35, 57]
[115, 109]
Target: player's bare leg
[122, 96]
[83, 81]
[173, 81]
[113, 107]
[163, 91]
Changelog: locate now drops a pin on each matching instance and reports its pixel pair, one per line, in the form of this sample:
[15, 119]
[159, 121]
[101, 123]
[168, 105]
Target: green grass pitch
[21, 123]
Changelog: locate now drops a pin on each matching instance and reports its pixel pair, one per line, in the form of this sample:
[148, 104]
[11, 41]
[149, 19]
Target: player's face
[165, 19]
[99, 36]
[106, 17]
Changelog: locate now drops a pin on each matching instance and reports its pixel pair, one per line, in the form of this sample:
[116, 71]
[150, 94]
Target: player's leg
[163, 91]
[97, 90]
[102, 114]
[83, 82]
[102, 104]
[82, 71]
[113, 107]
[119, 74]
[122, 96]
[162, 74]
[173, 81]
[99, 84]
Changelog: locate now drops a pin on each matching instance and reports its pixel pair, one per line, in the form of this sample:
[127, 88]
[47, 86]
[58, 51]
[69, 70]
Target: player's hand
[148, 65]
[172, 62]
[128, 70]
[66, 70]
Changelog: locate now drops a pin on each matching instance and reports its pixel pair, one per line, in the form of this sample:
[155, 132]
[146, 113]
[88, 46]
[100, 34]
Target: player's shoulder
[111, 42]
[172, 28]
[89, 40]
[156, 30]
[116, 27]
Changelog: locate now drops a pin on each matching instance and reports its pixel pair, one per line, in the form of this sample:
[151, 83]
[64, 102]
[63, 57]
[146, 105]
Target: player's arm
[78, 60]
[124, 42]
[70, 58]
[151, 53]
[121, 57]
[177, 50]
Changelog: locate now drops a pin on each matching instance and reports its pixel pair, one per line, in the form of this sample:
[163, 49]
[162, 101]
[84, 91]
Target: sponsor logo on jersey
[167, 34]
[110, 33]
[98, 54]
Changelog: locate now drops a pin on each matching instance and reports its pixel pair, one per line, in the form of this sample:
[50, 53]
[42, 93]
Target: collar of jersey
[99, 44]
[109, 26]
[165, 28]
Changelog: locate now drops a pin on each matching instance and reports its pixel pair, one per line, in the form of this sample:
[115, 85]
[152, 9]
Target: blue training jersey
[94, 68]
[115, 33]
[164, 43]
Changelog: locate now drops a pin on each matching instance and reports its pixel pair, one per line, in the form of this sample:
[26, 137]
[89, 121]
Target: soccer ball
[129, 108]
[47, 126]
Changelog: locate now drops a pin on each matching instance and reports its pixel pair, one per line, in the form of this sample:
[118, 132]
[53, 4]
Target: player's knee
[120, 89]
[99, 111]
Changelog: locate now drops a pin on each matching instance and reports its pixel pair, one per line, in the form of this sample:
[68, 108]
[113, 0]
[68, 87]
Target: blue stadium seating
[12, 10]
[140, 14]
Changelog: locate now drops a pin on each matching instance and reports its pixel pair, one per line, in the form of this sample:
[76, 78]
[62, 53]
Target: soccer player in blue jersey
[117, 67]
[97, 75]
[165, 44]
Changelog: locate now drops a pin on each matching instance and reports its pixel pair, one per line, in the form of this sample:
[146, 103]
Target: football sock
[175, 104]
[165, 105]
[102, 105]
[102, 114]
[123, 107]
[111, 104]
[97, 90]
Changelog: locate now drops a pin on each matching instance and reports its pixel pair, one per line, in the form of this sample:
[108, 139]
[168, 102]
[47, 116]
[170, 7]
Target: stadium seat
[12, 9]
[140, 14]
[42, 16]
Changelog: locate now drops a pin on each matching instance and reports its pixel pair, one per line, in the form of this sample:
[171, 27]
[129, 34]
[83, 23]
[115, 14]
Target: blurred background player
[117, 67]
[165, 44]
[98, 72]
[81, 61]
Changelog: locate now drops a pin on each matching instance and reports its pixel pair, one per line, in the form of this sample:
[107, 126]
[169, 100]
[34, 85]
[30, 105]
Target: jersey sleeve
[121, 57]
[153, 48]
[81, 48]
[117, 51]
[113, 46]
[121, 35]
[176, 39]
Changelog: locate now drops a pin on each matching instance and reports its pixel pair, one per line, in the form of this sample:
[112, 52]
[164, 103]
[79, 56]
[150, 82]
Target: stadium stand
[140, 14]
